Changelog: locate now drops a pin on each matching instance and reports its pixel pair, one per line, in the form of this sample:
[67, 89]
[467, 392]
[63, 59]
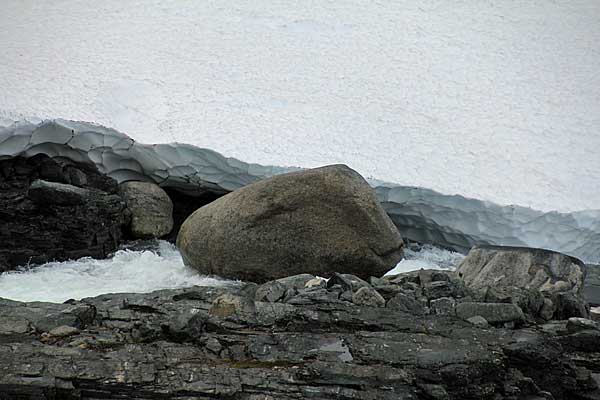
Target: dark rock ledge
[295, 338]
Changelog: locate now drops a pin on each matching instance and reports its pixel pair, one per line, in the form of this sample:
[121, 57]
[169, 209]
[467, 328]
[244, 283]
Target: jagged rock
[443, 306]
[60, 194]
[317, 221]
[406, 303]
[270, 291]
[493, 313]
[516, 273]
[211, 342]
[575, 324]
[151, 209]
[44, 216]
[347, 282]
[367, 296]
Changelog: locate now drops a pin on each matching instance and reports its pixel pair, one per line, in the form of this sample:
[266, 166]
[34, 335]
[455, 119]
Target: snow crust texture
[422, 215]
[497, 100]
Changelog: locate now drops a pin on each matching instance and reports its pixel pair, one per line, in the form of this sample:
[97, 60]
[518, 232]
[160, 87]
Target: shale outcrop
[299, 337]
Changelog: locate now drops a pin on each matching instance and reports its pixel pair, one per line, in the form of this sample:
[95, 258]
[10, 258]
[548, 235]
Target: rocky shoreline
[298, 337]
[510, 322]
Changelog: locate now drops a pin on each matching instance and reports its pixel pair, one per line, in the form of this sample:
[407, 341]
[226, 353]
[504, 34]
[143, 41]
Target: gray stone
[237, 307]
[478, 321]
[151, 209]
[493, 312]
[443, 306]
[525, 276]
[347, 282]
[63, 331]
[437, 289]
[318, 221]
[215, 342]
[296, 281]
[406, 303]
[367, 296]
[270, 292]
[47, 193]
[575, 324]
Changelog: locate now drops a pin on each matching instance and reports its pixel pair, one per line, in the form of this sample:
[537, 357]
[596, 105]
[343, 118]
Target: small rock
[347, 281]
[227, 305]
[434, 392]
[367, 296]
[213, 345]
[315, 283]
[297, 282]
[492, 312]
[9, 325]
[443, 306]
[478, 321]
[575, 324]
[60, 194]
[151, 209]
[437, 289]
[270, 292]
[407, 304]
[63, 331]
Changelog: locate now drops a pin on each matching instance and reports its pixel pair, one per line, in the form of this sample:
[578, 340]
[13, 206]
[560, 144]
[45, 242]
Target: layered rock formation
[194, 176]
[319, 221]
[294, 338]
[56, 209]
[544, 283]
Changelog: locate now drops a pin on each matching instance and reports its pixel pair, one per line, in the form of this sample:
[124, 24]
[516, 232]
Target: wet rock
[494, 313]
[317, 221]
[367, 296]
[151, 209]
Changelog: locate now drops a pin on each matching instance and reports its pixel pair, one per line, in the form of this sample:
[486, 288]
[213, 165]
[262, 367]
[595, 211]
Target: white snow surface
[496, 100]
[128, 271]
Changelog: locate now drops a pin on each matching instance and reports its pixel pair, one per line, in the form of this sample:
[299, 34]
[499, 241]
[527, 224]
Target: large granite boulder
[151, 209]
[55, 209]
[317, 221]
[519, 274]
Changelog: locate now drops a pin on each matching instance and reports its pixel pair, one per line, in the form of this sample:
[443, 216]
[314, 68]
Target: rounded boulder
[318, 221]
[151, 209]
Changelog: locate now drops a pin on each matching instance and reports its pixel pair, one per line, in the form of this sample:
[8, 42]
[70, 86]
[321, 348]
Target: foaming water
[131, 270]
[427, 257]
[154, 266]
